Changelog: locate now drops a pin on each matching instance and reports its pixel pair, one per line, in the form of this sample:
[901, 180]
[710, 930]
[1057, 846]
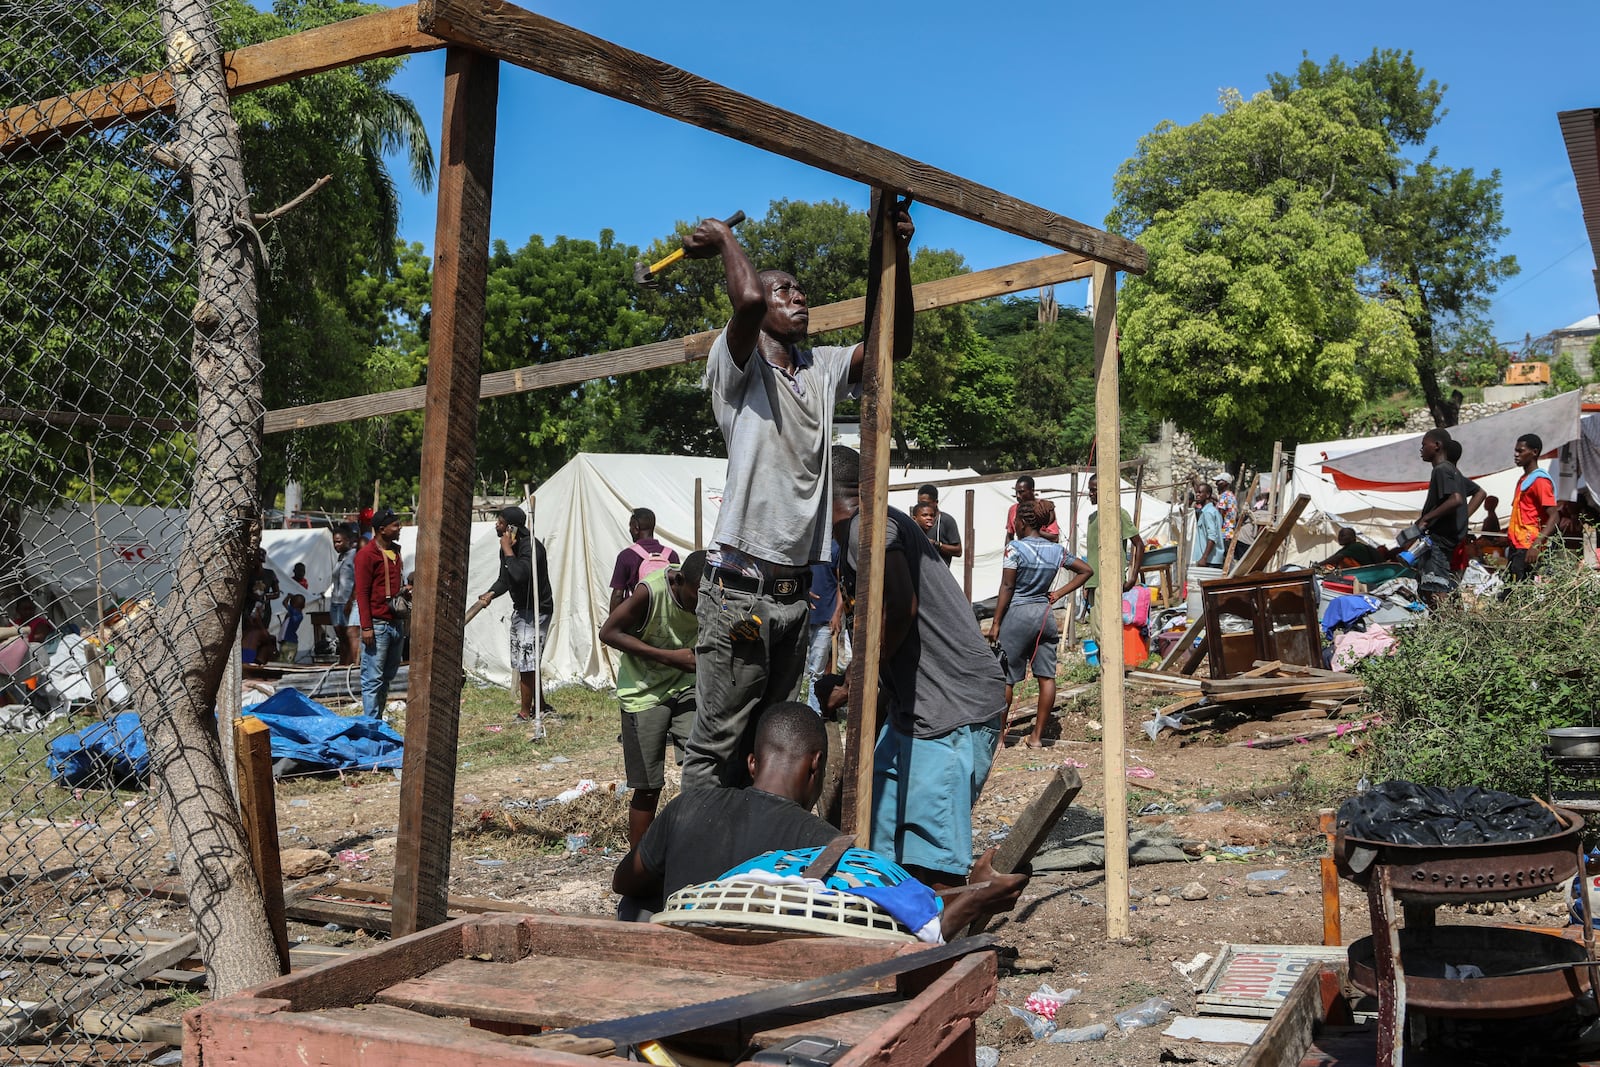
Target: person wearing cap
[945, 534]
[522, 567]
[1227, 504]
[380, 578]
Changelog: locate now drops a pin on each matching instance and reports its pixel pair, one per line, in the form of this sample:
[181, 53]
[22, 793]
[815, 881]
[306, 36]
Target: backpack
[650, 562]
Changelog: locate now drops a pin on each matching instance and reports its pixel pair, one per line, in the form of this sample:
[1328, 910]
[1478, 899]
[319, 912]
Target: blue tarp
[111, 753]
[317, 738]
[114, 752]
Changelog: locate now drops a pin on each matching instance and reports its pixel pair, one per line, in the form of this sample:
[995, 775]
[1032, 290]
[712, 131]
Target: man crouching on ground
[703, 834]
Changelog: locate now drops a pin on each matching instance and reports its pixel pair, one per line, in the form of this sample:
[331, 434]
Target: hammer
[646, 276]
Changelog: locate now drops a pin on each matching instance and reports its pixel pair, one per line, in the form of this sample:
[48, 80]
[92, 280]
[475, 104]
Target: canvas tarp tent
[1377, 514]
[1486, 447]
[582, 516]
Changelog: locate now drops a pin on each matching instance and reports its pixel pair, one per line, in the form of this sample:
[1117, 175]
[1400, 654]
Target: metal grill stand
[1410, 882]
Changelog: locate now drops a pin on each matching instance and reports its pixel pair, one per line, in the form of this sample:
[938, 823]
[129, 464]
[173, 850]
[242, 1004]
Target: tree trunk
[1427, 353]
[177, 652]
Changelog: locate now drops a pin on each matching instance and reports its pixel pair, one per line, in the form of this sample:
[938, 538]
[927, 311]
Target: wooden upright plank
[252, 755]
[257, 66]
[449, 437]
[552, 48]
[877, 391]
[1108, 606]
[929, 296]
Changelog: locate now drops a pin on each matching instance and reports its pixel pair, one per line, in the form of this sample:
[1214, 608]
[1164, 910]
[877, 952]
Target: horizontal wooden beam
[945, 292]
[257, 66]
[555, 49]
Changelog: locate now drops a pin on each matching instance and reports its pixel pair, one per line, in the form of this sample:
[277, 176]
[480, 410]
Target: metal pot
[1579, 741]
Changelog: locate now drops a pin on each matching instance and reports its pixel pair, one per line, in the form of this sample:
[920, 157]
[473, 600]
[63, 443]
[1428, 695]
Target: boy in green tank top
[654, 629]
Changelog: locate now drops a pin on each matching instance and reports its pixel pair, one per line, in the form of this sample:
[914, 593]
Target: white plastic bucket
[1196, 602]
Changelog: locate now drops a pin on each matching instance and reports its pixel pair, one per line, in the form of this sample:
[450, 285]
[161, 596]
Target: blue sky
[1042, 101]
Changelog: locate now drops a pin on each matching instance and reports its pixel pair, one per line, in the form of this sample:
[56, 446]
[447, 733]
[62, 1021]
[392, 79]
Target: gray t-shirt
[775, 501]
[943, 675]
[945, 532]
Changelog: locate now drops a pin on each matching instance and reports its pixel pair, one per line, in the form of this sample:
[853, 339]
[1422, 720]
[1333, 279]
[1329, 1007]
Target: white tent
[582, 512]
[1376, 514]
[1396, 465]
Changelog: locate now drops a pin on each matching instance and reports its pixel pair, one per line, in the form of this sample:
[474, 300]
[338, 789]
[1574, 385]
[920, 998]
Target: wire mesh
[97, 463]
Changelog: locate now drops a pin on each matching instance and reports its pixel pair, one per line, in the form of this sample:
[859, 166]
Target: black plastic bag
[1405, 813]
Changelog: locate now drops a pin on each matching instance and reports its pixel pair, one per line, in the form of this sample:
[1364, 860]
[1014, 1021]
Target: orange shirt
[1535, 493]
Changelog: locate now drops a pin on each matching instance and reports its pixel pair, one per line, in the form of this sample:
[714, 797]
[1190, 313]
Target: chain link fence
[98, 457]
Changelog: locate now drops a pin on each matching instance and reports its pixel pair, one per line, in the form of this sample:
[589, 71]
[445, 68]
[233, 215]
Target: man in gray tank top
[773, 399]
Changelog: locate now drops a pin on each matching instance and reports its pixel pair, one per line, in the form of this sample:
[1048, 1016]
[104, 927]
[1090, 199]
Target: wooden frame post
[252, 759]
[449, 433]
[877, 406]
[699, 514]
[969, 551]
[1108, 435]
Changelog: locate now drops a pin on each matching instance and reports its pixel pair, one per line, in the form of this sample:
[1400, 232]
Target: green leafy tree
[1432, 230]
[1251, 325]
[320, 328]
[94, 271]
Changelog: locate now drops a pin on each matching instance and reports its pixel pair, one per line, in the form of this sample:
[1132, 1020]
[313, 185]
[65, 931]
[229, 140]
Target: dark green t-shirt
[1092, 549]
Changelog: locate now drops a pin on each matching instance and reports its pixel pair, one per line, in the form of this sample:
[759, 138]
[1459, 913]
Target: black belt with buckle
[791, 588]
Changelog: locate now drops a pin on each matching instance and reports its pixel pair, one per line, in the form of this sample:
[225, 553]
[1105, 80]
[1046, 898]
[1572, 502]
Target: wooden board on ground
[506, 973]
[96, 1052]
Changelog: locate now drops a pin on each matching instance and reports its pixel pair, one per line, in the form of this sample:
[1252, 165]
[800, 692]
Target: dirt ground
[512, 844]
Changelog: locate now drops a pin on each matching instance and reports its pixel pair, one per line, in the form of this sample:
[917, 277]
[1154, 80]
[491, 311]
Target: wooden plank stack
[1277, 691]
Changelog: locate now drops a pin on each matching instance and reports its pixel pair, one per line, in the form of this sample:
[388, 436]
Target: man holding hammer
[773, 399]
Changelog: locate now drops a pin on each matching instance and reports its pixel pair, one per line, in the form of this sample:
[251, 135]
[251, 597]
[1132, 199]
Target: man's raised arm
[713, 237]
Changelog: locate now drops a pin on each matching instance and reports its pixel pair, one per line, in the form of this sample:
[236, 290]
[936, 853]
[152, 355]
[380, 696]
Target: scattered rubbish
[1161, 807]
[350, 855]
[1039, 1027]
[1267, 876]
[1162, 722]
[1047, 1000]
[1148, 1013]
[1214, 1031]
[1188, 970]
[493, 729]
[299, 802]
[333, 928]
[1141, 772]
[167, 1059]
[7, 974]
[559, 759]
[585, 785]
[1206, 808]
[1237, 850]
[470, 798]
[489, 863]
[1069, 762]
[1000, 834]
[577, 842]
[1078, 1035]
[545, 767]
[301, 939]
[516, 804]
[397, 774]
[987, 1057]
[1466, 970]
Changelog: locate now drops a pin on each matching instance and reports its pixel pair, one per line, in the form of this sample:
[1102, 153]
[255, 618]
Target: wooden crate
[458, 993]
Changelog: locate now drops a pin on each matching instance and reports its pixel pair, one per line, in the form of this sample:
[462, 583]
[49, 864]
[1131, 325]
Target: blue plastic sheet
[317, 738]
[109, 754]
[314, 737]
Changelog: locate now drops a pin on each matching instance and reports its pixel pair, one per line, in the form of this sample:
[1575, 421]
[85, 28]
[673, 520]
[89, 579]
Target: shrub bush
[1468, 694]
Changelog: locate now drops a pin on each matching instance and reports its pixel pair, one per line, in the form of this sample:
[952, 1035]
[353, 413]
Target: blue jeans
[378, 666]
[817, 652]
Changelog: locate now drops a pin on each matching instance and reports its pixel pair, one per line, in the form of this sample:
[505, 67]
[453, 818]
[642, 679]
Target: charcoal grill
[1418, 878]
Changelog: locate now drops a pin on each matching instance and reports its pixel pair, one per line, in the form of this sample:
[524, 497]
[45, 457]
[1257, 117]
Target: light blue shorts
[923, 790]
